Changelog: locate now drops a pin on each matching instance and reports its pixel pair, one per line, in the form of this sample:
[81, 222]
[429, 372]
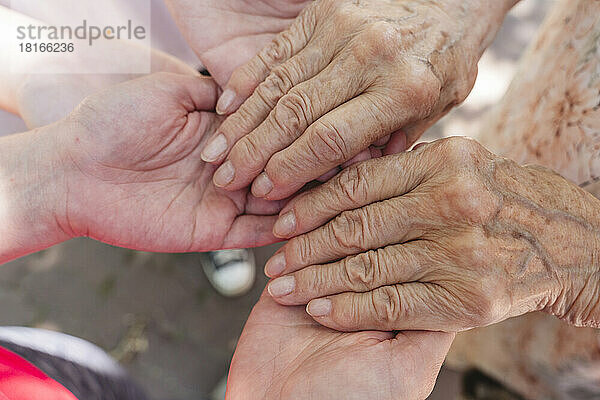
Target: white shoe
[231, 272]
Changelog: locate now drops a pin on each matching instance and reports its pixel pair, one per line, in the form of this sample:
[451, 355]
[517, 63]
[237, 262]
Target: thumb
[427, 352]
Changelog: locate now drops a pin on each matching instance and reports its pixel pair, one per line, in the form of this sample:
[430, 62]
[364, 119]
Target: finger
[397, 143]
[250, 231]
[414, 131]
[285, 45]
[306, 64]
[257, 206]
[332, 140]
[197, 93]
[352, 232]
[355, 187]
[291, 116]
[328, 175]
[163, 62]
[360, 157]
[383, 141]
[222, 60]
[419, 145]
[365, 155]
[411, 306]
[375, 152]
[360, 273]
[423, 353]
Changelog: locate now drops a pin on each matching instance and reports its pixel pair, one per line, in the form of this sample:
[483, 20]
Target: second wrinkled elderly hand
[346, 75]
[445, 237]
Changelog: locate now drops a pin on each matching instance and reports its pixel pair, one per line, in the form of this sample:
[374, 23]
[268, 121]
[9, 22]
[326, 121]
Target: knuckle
[274, 86]
[344, 13]
[460, 150]
[483, 312]
[248, 153]
[421, 87]
[283, 169]
[463, 87]
[489, 300]
[467, 198]
[278, 51]
[349, 231]
[353, 315]
[387, 305]
[306, 21]
[352, 182]
[329, 144]
[291, 113]
[300, 250]
[361, 270]
[475, 251]
[242, 119]
[379, 41]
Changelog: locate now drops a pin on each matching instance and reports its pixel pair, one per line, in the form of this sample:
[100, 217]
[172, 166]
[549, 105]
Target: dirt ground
[156, 313]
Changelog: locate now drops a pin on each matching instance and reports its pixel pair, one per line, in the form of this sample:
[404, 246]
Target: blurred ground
[157, 313]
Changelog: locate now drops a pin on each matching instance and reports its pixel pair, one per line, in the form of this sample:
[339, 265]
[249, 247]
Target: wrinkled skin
[283, 354]
[133, 175]
[445, 237]
[226, 34]
[344, 76]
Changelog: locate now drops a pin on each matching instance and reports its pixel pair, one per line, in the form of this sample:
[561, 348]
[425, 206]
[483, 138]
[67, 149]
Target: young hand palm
[284, 354]
[139, 181]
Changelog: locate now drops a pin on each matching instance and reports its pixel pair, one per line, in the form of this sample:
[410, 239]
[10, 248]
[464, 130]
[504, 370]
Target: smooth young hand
[283, 354]
[124, 168]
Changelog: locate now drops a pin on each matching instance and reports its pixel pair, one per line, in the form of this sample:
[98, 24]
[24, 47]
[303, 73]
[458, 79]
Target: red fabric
[21, 380]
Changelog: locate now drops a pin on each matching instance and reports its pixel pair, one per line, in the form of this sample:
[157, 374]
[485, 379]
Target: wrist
[33, 195]
[560, 225]
[482, 20]
[577, 300]
[467, 29]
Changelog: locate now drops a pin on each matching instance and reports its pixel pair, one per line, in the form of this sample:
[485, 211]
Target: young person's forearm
[32, 192]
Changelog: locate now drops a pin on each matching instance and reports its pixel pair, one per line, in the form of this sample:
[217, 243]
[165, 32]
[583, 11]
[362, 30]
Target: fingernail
[285, 225]
[262, 185]
[225, 101]
[319, 307]
[275, 265]
[282, 286]
[215, 148]
[224, 175]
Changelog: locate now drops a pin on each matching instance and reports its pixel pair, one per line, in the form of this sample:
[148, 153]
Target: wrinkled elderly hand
[345, 75]
[445, 237]
[283, 354]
